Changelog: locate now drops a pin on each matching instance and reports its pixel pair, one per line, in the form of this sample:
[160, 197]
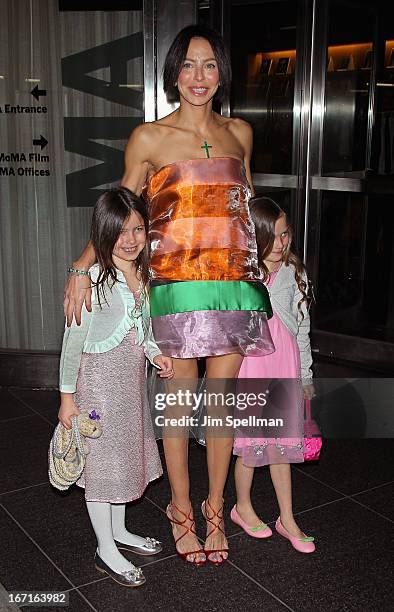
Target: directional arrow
[41, 141]
[38, 92]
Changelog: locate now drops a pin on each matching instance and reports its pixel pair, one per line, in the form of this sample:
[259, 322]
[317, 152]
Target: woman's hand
[77, 291]
[165, 365]
[67, 409]
[309, 391]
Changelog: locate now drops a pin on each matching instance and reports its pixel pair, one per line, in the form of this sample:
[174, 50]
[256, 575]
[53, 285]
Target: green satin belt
[209, 295]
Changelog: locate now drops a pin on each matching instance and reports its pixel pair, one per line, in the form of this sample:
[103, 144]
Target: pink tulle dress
[283, 363]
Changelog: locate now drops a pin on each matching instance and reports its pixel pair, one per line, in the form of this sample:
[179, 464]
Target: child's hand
[165, 365]
[309, 391]
[67, 409]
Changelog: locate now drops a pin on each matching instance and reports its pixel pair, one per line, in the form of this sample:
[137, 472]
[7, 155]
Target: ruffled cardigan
[104, 328]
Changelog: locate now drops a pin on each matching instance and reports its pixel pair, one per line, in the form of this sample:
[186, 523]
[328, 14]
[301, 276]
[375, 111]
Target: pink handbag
[312, 436]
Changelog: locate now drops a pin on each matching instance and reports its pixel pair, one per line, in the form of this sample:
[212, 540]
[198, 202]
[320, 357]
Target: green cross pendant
[206, 146]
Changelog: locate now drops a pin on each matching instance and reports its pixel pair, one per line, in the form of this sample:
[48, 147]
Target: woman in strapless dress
[192, 167]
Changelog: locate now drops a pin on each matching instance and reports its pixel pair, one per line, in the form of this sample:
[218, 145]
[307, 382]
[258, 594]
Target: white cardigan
[285, 296]
[104, 328]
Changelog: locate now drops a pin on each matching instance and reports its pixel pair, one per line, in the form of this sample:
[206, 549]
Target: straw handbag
[68, 450]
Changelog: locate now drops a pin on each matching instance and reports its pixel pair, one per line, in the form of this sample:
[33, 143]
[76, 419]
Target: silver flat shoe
[130, 578]
[152, 547]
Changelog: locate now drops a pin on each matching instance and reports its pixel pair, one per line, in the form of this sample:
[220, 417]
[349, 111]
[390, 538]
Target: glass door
[316, 82]
[268, 91]
[350, 196]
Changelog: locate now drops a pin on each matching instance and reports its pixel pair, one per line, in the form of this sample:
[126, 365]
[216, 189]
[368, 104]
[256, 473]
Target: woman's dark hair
[177, 53]
[110, 213]
[265, 213]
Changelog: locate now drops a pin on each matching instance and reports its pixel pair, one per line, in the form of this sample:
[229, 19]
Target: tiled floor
[346, 500]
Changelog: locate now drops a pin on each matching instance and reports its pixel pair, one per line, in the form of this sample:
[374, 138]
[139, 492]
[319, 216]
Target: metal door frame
[159, 32]
[376, 353]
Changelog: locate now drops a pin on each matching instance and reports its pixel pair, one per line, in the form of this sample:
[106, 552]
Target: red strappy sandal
[219, 516]
[190, 529]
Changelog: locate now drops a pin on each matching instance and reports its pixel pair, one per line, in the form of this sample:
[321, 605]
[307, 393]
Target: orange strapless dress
[206, 294]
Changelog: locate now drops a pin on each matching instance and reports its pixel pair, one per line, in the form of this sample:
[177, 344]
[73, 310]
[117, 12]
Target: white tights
[108, 521]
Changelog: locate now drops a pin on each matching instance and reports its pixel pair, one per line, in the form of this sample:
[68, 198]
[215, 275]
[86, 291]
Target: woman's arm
[78, 287]
[137, 157]
[244, 134]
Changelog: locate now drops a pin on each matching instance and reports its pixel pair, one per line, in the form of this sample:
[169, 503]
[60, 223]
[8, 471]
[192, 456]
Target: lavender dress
[125, 458]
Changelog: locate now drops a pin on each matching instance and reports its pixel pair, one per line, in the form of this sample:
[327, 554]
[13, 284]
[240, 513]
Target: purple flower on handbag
[94, 415]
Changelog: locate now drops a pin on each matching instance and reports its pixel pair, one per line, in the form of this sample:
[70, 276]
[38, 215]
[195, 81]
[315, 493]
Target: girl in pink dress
[285, 277]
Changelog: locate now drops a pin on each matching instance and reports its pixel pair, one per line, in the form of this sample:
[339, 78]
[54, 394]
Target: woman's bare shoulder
[144, 134]
[239, 127]
[242, 132]
[143, 153]
[149, 136]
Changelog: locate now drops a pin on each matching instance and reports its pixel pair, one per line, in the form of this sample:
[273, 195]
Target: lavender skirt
[125, 458]
[203, 333]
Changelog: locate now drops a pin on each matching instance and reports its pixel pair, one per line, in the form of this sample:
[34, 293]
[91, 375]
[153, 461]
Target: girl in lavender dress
[102, 372]
[285, 277]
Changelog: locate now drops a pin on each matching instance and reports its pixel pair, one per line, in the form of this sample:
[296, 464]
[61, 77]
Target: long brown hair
[265, 213]
[109, 215]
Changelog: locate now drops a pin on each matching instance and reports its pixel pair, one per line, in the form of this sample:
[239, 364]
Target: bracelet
[79, 272]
